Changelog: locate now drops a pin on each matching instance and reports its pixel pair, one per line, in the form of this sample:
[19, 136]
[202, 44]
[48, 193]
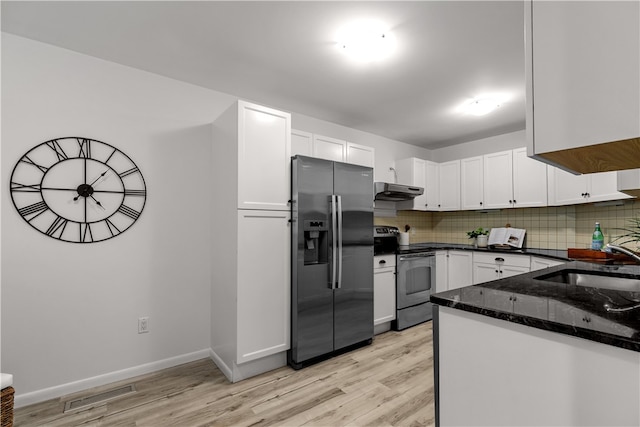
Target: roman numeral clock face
[78, 190]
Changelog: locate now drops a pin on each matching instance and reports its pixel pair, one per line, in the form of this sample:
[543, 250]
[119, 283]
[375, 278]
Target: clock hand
[101, 176]
[97, 202]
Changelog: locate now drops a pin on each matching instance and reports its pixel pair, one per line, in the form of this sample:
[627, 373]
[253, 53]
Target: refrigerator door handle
[334, 241]
[339, 257]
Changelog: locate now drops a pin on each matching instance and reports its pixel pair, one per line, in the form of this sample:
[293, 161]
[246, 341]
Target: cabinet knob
[480, 203]
[514, 201]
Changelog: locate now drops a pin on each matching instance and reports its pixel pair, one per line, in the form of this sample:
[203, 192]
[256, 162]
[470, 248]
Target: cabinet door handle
[499, 259]
[382, 262]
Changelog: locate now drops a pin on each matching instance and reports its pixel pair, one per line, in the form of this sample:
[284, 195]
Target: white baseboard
[226, 370]
[25, 399]
[249, 369]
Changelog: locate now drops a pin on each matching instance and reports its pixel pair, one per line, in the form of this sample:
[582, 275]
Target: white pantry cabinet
[472, 183]
[565, 188]
[264, 293]
[264, 152]
[250, 289]
[582, 68]
[384, 289]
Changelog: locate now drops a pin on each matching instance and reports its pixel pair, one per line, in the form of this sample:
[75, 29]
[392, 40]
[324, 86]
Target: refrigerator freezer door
[353, 301]
[312, 296]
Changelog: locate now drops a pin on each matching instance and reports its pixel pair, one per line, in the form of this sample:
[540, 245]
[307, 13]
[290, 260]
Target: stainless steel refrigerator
[332, 259]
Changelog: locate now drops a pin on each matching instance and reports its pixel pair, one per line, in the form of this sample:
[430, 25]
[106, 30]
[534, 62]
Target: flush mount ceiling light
[366, 41]
[481, 106]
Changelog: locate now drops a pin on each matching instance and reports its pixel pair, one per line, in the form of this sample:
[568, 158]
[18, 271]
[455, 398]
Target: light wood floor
[389, 383]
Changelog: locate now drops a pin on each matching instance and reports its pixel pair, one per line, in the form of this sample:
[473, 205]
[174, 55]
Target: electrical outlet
[143, 325]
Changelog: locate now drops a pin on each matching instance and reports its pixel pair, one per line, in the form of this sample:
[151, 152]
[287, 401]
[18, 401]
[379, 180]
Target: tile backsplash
[559, 227]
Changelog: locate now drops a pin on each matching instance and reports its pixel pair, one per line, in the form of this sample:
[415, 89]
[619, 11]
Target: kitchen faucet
[614, 248]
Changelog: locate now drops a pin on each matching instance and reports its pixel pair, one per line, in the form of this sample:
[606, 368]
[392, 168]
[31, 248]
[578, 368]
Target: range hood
[395, 192]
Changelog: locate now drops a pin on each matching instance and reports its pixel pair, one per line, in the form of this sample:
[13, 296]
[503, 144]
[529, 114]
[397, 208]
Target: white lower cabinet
[459, 269]
[442, 271]
[538, 263]
[493, 266]
[384, 289]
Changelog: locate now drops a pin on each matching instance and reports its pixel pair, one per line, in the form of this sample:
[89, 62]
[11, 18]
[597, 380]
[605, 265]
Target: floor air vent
[93, 400]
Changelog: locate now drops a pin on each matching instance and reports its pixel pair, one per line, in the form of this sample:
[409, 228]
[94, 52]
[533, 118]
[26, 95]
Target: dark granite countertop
[532, 299]
[549, 253]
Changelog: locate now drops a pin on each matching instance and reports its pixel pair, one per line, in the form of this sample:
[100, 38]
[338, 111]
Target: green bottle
[597, 239]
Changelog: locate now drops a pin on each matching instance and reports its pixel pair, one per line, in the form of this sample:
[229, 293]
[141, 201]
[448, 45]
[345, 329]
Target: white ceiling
[283, 54]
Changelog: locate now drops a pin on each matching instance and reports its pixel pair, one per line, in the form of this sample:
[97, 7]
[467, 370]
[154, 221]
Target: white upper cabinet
[264, 155]
[337, 150]
[328, 148]
[498, 180]
[529, 180]
[583, 68]
[472, 183]
[360, 155]
[432, 185]
[301, 143]
[449, 184]
[502, 180]
[569, 189]
[412, 172]
[419, 173]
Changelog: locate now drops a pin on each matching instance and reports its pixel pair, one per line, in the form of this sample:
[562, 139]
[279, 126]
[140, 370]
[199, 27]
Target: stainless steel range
[415, 277]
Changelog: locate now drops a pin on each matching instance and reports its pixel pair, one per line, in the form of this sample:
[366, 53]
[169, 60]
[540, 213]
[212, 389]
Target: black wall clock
[78, 190]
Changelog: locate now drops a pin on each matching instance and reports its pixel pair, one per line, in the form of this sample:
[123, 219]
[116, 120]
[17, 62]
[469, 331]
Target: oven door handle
[414, 256]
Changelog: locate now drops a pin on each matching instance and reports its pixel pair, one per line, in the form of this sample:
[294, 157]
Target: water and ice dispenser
[316, 237]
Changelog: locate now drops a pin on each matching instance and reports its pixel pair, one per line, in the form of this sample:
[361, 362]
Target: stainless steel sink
[593, 279]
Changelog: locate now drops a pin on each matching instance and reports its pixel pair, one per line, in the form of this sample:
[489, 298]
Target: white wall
[69, 311]
[507, 141]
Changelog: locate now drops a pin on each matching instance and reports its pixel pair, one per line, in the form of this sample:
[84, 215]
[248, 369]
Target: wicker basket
[6, 407]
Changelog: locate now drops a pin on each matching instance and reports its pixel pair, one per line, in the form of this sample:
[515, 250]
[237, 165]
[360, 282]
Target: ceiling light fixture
[366, 41]
[481, 106]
